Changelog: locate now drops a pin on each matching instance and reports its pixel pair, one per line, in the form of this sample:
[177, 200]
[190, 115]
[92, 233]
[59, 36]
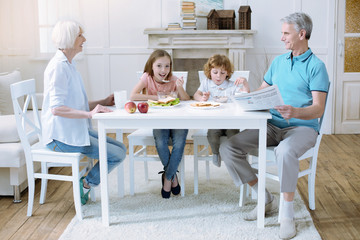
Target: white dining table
[183, 116]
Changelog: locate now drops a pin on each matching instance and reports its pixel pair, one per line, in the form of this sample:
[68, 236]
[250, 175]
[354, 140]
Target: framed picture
[203, 7]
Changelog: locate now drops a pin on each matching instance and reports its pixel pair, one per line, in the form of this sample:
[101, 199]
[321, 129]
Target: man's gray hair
[300, 21]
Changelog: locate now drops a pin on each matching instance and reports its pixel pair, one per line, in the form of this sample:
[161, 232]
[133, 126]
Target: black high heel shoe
[176, 190]
[164, 193]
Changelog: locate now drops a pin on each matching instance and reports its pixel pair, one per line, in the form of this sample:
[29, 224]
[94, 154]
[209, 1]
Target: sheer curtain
[49, 12]
[26, 25]
[17, 22]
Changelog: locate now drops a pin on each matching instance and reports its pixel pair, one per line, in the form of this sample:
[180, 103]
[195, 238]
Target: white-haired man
[303, 83]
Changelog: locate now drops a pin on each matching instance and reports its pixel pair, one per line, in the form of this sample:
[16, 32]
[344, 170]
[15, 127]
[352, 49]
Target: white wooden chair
[29, 127]
[143, 138]
[200, 138]
[271, 173]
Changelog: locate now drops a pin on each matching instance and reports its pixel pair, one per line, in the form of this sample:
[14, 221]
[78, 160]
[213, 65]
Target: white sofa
[13, 177]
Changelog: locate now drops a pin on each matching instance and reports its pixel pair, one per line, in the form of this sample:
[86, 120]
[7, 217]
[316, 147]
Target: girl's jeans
[170, 161]
[116, 153]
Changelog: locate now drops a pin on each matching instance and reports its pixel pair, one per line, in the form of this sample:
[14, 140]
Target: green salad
[155, 103]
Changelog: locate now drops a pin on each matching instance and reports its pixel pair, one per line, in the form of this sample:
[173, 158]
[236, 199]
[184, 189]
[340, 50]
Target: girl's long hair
[155, 55]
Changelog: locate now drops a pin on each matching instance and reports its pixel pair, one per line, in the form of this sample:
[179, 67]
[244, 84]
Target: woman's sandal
[164, 193]
[83, 196]
[176, 190]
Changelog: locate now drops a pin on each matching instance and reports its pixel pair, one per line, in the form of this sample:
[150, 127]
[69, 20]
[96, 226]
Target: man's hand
[286, 111]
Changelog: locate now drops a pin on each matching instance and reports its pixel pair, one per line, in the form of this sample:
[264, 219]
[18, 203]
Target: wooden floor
[337, 214]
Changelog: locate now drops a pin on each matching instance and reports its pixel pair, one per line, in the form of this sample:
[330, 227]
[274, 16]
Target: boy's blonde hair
[155, 55]
[219, 61]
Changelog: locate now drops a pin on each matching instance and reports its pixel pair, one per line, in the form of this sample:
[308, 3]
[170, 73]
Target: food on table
[130, 107]
[204, 104]
[168, 101]
[143, 107]
[220, 99]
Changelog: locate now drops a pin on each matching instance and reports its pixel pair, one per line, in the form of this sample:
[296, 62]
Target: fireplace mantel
[203, 43]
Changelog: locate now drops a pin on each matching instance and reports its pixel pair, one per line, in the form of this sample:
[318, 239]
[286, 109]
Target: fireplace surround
[191, 48]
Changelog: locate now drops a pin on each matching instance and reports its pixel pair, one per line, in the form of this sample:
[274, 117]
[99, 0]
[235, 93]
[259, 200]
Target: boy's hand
[205, 96]
[245, 85]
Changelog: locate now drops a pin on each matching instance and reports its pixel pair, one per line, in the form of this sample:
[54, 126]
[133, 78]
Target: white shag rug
[213, 214]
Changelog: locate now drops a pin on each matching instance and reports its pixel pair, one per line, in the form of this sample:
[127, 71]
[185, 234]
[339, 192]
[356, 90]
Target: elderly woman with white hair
[66, 111]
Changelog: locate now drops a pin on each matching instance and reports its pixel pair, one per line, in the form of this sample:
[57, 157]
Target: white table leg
[120, 168]
[121, 182]
[261, 175]
[103, 174]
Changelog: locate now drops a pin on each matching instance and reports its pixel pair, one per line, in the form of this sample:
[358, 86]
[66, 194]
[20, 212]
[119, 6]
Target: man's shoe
[270, 207]
[216, 160]
[287, 228]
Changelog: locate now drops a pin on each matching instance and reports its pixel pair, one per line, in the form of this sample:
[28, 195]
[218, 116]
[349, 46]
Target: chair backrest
[235, 75]
[178, 74]
[313, 152]
[322, 117]
[27, 125]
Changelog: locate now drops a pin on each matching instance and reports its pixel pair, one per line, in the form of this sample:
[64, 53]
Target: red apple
[130, 107]
[143, 107]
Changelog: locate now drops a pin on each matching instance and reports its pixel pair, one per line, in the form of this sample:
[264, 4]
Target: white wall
[116, 46]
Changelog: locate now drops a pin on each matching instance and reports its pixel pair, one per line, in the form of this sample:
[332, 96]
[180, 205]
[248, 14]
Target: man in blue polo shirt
[303, 83]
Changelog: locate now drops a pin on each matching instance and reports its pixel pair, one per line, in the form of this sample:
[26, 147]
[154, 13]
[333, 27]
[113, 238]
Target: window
[49, 12]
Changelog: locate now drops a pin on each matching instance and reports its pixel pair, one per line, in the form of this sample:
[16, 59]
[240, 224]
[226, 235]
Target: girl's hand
[245, 85]
[181, 90]
[180, 82]
[205, 96]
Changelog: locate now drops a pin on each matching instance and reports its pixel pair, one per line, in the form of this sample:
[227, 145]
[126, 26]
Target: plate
[214, 105]
[165, 107]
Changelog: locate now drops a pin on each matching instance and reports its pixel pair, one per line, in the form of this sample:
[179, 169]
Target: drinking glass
[120, 98]
[161, 95]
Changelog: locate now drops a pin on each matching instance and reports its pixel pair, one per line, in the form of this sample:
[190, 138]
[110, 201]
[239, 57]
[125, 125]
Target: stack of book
[174, 26]
[188, 15]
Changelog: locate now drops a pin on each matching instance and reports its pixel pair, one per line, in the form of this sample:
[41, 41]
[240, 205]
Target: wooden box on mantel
[221, 19]
[245, 17]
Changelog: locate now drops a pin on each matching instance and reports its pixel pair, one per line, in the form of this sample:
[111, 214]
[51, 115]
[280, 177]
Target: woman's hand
[99, 109]
[109, 101]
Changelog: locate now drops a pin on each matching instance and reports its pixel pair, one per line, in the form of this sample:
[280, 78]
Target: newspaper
[263, 99]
